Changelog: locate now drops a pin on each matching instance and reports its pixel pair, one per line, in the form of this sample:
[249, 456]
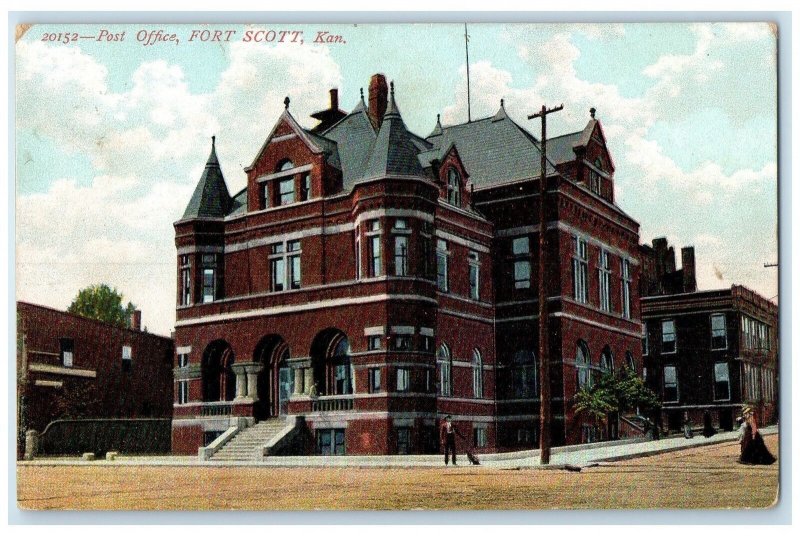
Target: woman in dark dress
[754, 451]
[708, 427]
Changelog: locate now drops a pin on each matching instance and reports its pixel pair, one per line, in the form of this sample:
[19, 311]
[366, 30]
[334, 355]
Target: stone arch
[330, 361]
[274, 383]
[219, 380]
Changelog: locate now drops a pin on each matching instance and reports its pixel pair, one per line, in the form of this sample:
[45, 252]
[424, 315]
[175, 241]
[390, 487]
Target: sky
[112, 136]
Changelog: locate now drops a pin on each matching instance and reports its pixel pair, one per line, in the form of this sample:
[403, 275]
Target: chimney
[136, 320]
[378, 98]
[334, 99]
[687, 263]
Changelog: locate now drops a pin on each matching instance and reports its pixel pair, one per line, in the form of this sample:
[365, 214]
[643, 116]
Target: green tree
[101, 302]
[610, 393]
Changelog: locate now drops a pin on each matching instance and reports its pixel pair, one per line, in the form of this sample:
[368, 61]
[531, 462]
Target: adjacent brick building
[711, 350]
[69, 366]
[373, 281]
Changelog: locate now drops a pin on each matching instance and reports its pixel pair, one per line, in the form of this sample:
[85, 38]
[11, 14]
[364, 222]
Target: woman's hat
[746, 410]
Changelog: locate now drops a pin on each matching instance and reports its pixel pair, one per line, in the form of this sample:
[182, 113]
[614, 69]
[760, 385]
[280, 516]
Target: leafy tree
[101, 302]
[632, 393]
[611, 393]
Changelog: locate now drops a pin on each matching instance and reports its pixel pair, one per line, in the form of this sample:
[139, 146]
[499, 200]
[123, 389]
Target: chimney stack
[687, 264]
[334, 99]
[378, 98]
[136, 320]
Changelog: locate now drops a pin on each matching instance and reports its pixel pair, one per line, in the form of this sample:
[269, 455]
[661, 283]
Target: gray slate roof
[354, 137]
[211, 198]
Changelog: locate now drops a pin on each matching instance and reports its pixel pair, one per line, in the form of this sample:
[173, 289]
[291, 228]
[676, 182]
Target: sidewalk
[575, 455]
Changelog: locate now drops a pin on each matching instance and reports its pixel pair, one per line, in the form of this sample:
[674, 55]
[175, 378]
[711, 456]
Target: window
[626, 288]
[286, 191]
[400, 224]
[305, 187]
[186, 280]
[521, 249]
[453, 187]
[607, 360]
[404, 440]
[668, 345]
[582, 364]
[722, 382]
[580, 267]
[330, 442]
[645, 340]
[427, 343]
[127, 358]
[474, 275]
[374, 380]
[293, 248]
[604, 276]
[183, 392]
[343, 368]
[285, 265]
[263, 201]
[400, 255]
[444, 362]
[477, 374]
[630, 364]
[719, 338]
[441, 266]
[524, 382]
[374, 229]
[285, 165]
[594, 181]
[670, 384]
[479, 436]
[67, 349]
[425, 256]
[209, 278]
[403, 380]
[358, 255]
[402, 343]
[374, 342]
[183, 360]
[527, 436]
[278, 267]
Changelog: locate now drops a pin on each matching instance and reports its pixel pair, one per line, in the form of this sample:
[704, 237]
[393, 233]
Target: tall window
[444, 363]
[425, 249]
[645, 340]
[626, 288]
[477, 374]
[401, 255]
[374, 380]
[293, 247]
[183, 392]
[719, 338]
[670, 384]
[630, 364]
[403, 379]
[358, 253]
[278, 267]
[521, 249]
[524, 380]
[453, 187]
[209, 278]
[374, 237]
[186, 280]
[722, 382]
[580, 268]
[343, 368]
[441, 266]
[474, 276]
[286, 191]
[582, 365]
[604, 276]
[668, 337]
[305, 187]
[285, 265]
[404, 440]
[263, 201]
[607, 360]
[479, 436]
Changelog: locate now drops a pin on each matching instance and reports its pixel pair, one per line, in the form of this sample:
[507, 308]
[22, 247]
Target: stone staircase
[247, 444]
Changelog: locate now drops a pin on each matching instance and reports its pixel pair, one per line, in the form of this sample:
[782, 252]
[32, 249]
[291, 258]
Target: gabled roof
[211, 198]
[354, 137]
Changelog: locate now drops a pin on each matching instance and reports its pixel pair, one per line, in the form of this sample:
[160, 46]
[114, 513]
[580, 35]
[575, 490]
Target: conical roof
[211, 198]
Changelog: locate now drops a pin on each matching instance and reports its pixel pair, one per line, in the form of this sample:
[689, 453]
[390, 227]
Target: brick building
[372, 281]
[69, 366]
[711, 350]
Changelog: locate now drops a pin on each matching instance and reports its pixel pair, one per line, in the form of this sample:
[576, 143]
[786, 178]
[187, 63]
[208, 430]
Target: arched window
[524, 375]
[453, 187]
[444, 363]
[629, 362]
[582, 365]
[607, 360]
[285, 165]
[343, 368]
[477, 374]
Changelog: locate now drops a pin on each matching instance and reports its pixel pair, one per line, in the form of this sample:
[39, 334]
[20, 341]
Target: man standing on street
[447, 435]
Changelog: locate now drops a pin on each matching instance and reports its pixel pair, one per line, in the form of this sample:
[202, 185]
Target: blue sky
[111, 137]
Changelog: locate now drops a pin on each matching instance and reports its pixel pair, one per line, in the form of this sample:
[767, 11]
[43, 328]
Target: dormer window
[285, 165]
[594, 177]
[453, 187]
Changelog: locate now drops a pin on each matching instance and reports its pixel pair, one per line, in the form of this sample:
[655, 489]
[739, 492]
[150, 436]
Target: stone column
[298, 381]
[308, 380]
[241, 380]
[253, 369]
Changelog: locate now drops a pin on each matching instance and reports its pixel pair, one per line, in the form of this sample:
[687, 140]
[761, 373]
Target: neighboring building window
[524, 382]
[286, 191]
[607, 360]
[668, 337]
[626, 288]
[477, 374]
[580, 268]
[670, 384]
[582, 365]
[645, 340]
[67, 347]
[403, 380]
[479, 436]
[474, 275]
[186, 280]
[404, 440]
[629, 362]
[209, 278]
[521, 249]
[604, 276]
[453, 187]
[183, 392]
[719, 337]
[330, 442]
[375, 268]
[722, 382]
[374, 342]
[401, 255]
[374, 380]
[441, 266]
[183, 360]
[305, 187]
[127, 357]
[402, 342]
[444, 362]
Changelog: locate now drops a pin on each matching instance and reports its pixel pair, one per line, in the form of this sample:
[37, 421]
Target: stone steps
[245, 445]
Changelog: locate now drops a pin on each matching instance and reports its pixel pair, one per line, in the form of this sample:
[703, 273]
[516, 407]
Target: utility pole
[544, 353]
[466, 46]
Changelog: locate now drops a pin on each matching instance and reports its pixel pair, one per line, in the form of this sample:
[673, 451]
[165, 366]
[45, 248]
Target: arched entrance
[330, 361]
[274, 379]
[219, 381]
